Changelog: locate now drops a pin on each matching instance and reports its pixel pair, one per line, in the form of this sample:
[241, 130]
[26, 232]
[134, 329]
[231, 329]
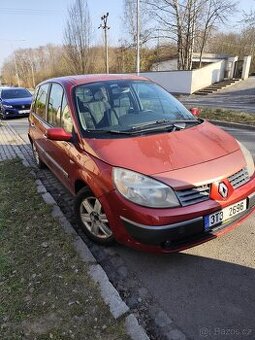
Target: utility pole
[138, 38]
[104, 26]
[32, 67]
[158, 51]
[16, 69]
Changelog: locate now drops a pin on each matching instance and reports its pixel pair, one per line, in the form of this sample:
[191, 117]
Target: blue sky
[32, 23]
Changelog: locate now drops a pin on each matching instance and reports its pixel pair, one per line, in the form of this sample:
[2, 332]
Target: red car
[144, 171]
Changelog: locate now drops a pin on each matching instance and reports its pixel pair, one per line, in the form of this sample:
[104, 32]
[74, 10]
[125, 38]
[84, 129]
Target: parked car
[14, 102]
[143, 169]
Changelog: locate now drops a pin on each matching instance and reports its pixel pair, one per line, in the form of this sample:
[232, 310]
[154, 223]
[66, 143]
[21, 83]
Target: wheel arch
[80, 184]
[30, 139]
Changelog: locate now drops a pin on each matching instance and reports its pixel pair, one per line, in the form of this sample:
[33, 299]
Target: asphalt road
[209, 290]
[240, 96]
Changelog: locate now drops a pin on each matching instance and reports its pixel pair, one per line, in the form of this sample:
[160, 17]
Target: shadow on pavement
[204, 297]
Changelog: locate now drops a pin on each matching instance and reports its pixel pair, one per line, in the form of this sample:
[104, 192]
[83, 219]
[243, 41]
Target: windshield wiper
[179, 124]
[151, 124]
[114, 132]
[158, 125]
[163, 124]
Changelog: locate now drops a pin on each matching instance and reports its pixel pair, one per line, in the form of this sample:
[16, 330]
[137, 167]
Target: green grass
[45, 291]
[227, 115]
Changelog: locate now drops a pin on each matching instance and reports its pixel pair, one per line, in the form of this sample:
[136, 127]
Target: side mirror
[195, 111]
[58, 134]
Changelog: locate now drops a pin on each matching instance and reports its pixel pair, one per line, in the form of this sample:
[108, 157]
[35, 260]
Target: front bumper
[174, 229]
[174, 235]
[14, 113]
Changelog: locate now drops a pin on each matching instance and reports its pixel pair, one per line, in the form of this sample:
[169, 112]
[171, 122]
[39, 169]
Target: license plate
[225, 214]
[24, 111]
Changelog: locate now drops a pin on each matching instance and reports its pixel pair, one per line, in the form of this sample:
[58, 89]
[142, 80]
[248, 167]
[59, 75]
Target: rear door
[38, 120]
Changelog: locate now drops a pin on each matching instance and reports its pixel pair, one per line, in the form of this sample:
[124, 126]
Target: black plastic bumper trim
[158, 234]
[178, 232]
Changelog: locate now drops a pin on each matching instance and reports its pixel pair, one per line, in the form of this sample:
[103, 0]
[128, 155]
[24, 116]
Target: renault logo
[223, 190]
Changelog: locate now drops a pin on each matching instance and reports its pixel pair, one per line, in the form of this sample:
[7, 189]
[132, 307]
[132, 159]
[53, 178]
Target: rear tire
[91, 217]
[39, 163]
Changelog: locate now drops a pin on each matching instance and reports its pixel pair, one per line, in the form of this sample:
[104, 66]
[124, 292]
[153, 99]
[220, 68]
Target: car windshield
[128, 106]
[15, 93]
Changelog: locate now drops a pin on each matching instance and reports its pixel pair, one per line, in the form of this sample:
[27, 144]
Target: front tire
[3, 117]
[91, 217]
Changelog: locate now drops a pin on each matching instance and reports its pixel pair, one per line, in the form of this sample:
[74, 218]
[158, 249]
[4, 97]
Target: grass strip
[45, 291]
[227, 115]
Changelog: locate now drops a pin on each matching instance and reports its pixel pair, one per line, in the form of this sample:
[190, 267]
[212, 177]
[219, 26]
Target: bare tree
[77, 37]
[182, 20]
[33, 65]
[213, 12]
[177, 20]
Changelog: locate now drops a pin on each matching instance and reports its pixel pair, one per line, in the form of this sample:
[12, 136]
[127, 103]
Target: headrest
[99, 95]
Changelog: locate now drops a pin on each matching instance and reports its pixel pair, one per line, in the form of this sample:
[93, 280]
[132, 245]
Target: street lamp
[138, 38]
[104, 26]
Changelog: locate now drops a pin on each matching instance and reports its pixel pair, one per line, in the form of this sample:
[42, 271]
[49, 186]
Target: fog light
[167, 244]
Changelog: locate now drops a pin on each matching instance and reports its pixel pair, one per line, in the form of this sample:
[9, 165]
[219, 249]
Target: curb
[232, 124]
[109, 294]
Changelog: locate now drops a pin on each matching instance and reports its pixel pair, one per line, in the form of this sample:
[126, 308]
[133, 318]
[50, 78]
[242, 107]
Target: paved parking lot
[206, 292]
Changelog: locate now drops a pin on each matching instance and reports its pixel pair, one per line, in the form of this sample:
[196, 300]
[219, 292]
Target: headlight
[144, 190]
[7, 106]
[248, 158]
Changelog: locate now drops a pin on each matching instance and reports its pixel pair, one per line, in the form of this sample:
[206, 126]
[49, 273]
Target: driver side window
[66, 119]
[58, 110]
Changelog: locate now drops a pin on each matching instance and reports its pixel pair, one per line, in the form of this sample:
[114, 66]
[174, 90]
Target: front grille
[200, 194]
[22, 107]
[239, 178]
[194, 195]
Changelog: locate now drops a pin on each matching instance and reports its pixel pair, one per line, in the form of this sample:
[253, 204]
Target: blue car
[14, 102]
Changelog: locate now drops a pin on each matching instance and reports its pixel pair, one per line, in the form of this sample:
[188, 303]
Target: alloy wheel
[94, 218]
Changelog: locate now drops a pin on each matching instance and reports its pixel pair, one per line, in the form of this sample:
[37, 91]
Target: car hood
[164, 152]
[17, 101]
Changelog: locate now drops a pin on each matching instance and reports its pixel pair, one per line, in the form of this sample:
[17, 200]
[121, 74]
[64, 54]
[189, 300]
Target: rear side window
[40, 104]
[54, 105]
[34, 99]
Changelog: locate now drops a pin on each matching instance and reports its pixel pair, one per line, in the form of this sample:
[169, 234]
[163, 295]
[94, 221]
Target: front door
[58, 152]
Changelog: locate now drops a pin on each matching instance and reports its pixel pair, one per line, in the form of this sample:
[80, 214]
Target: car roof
[92, 78]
